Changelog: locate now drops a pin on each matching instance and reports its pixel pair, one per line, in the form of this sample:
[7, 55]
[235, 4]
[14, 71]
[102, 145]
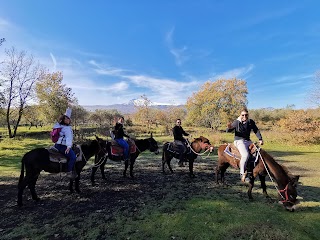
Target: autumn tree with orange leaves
[217, 102]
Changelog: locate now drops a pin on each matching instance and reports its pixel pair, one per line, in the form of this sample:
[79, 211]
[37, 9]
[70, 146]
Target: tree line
[32, 95]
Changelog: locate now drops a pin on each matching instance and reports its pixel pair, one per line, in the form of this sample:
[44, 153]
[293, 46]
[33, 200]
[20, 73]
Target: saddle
[233, 152]
[175, 148]
[56, 156]
[117, 150]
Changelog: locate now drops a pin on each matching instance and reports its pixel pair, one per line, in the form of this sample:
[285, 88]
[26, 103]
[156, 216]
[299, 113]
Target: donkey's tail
[163, 155]
[22, 171]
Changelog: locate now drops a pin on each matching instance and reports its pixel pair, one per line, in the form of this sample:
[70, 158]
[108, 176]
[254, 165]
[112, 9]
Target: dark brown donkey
[266, 165]
[40, 159]
[141, 146]
[199, 144]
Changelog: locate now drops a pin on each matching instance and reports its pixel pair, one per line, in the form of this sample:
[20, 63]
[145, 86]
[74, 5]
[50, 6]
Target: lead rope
[199, 154]
[265, 166]
[96, 164]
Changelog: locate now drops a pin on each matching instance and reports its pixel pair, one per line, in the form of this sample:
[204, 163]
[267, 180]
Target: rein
[283, 191]
[101, 160]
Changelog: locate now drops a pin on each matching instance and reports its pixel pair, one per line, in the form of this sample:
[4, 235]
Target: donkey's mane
[270, 158]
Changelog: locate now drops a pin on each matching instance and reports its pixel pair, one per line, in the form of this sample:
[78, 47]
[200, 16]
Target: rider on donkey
[243, 126]
[118, 137]
[64, 143]
[180, 140]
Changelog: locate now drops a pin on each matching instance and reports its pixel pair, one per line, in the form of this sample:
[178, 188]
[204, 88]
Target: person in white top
[64, 143]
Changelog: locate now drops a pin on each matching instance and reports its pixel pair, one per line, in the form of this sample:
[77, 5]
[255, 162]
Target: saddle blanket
[232, 152]
[117, 150]
[56, 156]
[175, 148]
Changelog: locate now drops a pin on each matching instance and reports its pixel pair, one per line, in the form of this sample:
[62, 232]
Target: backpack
[55, 134]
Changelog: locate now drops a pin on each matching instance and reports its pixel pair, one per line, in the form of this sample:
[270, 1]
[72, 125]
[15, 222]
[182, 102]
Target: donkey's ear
[151, 134]
[295, 180]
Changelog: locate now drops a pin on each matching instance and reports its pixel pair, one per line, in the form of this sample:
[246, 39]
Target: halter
[100, 160]
[284, 191]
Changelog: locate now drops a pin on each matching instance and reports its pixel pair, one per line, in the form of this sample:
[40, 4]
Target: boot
[244, 178]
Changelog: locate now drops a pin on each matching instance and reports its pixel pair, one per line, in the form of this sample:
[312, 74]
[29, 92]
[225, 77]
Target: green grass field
[213, 212]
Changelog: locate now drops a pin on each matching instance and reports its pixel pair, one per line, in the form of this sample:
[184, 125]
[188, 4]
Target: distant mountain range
[126, 108]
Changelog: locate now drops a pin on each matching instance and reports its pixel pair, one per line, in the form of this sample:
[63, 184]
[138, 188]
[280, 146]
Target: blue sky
[115, 51]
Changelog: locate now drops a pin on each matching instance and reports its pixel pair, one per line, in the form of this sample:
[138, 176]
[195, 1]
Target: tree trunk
[18, 121]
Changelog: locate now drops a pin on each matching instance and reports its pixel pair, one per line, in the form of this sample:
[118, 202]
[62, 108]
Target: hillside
[122, 108]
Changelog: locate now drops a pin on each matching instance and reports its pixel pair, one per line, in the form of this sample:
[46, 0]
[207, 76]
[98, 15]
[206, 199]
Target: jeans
[125, 147]
[243, 147]
[71, 155]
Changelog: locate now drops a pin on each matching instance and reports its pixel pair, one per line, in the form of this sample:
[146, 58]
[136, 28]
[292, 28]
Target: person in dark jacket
[242, 127]
[118, 137]
[179, 140]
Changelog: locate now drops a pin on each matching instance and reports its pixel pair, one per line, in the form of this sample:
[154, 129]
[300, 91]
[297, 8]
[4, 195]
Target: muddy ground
[59, 214]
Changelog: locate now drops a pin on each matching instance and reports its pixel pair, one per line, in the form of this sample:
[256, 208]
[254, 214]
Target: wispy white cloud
[161, 89]
[178, 53]
[119, 87]
[286, 57]
[261, 17]
[54, 61]
[293, 78]
[106, 69]
[234, 73]
[4, 24]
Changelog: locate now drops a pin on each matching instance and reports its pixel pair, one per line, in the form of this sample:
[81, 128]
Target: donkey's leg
[32, 185]
[77, 183]
[251, 185]
[223, 170]
[22, 185]
[131, 167]
[71, 186]
[126, 164]
[102, 166]
[191, 169]
[168, 161]
[163, 161]
[263, 185]
[216, 174]
[93, 171]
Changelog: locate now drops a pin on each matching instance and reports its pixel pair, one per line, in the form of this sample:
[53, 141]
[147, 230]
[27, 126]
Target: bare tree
[2, 40]
[19, 74]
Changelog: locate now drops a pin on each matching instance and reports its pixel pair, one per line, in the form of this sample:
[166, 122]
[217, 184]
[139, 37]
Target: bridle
[282, 192]
[101, 160]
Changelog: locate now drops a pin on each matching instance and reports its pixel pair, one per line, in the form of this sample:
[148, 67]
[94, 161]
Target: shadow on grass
[117, 207]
